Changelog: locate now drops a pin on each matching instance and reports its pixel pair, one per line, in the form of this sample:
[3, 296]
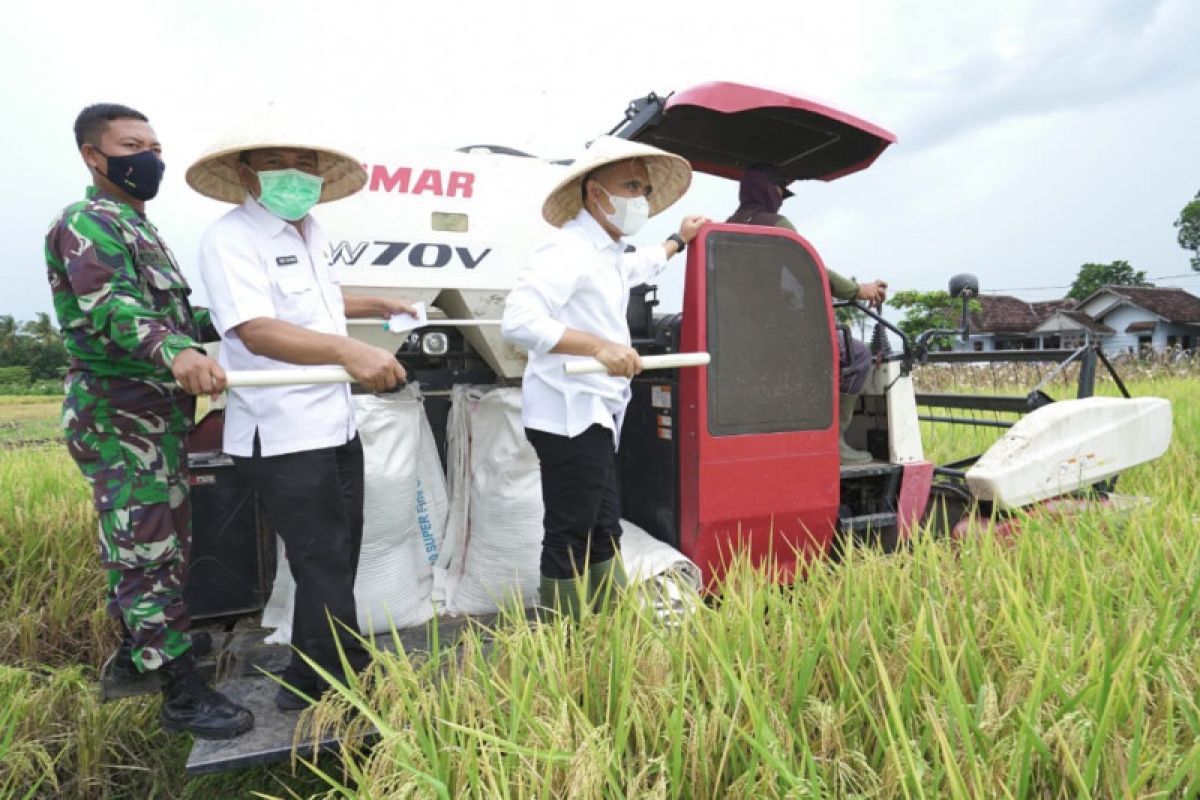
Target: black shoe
[123, 670]
[286, 700]
[201, 644]
[190, 705]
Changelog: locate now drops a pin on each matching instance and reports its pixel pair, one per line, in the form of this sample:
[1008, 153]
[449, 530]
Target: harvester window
[768, 332]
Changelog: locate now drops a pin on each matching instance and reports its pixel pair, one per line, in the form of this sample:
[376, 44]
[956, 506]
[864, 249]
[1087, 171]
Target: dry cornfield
[1021, 377]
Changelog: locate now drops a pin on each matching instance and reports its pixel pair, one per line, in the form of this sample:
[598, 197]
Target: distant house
[1002, 323]
[1142, 316]
[1120, 317]
[1069, 328]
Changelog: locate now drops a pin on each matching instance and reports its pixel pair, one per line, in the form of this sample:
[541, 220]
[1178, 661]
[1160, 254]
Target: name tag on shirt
[285, 261]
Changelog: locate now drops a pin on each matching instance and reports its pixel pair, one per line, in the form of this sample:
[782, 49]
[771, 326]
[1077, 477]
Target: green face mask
[289, 193]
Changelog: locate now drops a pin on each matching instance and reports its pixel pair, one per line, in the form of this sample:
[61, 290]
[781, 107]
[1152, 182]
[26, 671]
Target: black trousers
[582, 521]
[314, 500]
[856, 365]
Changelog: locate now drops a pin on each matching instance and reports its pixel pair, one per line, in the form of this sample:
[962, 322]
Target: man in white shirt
[277, 305]
[569, 303]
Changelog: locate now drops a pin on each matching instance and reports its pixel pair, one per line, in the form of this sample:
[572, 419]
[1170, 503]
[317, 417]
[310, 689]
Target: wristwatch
[678, 240]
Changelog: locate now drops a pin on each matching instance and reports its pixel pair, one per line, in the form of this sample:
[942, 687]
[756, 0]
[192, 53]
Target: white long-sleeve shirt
[579, 278]
[256, 265]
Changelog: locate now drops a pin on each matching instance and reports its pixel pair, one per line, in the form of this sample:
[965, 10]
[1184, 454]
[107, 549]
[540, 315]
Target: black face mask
[139, 174]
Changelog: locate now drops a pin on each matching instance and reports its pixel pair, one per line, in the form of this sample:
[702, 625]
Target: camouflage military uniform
[123, 307]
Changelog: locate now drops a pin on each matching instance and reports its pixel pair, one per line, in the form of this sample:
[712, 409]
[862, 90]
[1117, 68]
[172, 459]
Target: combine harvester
[739, 456]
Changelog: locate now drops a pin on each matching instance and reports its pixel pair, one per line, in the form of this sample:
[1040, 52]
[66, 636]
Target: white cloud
[1045, 58]
[1032, 136]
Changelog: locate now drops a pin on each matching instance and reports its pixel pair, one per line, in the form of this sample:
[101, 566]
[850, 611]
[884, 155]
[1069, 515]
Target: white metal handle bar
[430, 323]
[670, 361]
[241, 379]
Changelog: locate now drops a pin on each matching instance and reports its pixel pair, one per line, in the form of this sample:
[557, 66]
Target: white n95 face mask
[629, 213]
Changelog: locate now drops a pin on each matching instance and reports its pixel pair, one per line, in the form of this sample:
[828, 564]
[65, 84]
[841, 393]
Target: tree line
[31, 351]
[926, 310]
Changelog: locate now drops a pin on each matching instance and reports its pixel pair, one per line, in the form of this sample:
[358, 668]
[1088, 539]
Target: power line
[1189, 275]
[1181, 277]
[1025, 289]
[1192, 274]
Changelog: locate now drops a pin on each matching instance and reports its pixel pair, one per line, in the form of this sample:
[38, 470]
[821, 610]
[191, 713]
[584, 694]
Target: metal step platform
[869, 495]
[242, 665]
[870, 469]
[866, 523]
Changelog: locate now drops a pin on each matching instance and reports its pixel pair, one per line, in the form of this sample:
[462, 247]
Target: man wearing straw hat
[569, 302]
[133, 337]
[277, 305]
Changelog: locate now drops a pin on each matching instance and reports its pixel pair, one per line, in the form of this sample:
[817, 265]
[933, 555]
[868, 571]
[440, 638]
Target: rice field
[1064, 664]
[27, 421]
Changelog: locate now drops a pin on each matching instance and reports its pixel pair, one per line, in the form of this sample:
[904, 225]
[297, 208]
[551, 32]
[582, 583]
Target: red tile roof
[1044, 309]
[1003, 314]
[1172, 304]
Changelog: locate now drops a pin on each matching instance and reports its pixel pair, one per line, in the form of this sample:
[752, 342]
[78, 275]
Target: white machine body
[448, 228]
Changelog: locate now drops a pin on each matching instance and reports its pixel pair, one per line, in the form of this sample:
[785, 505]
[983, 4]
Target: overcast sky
[1032, 136]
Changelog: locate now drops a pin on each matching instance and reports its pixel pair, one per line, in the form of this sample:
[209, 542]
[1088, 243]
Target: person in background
[136, 362]
[761, 193]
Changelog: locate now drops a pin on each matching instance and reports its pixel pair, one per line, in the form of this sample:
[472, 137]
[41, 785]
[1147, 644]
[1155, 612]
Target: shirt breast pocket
[297, 300]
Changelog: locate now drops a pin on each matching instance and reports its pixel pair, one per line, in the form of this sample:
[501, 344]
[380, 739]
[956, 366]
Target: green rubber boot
[849, 455]
[561, 595]
[606, 581]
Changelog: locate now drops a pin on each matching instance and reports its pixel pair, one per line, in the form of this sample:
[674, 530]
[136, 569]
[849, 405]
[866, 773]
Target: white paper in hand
[399, 323]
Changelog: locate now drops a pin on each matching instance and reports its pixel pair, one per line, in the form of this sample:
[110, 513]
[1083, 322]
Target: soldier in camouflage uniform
[132, 335]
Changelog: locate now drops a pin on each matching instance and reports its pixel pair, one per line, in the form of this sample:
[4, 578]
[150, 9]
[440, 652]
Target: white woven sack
[494, 536]
[404, 513]
[278, 612]
[672, 579]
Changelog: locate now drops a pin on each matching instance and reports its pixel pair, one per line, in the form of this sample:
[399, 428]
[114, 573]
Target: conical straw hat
[670, 177]
[215, 173]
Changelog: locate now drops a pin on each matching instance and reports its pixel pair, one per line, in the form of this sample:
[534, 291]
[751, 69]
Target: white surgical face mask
[629, 213]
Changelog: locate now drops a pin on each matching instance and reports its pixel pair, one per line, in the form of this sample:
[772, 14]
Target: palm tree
[42, 329]
[8, 336]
